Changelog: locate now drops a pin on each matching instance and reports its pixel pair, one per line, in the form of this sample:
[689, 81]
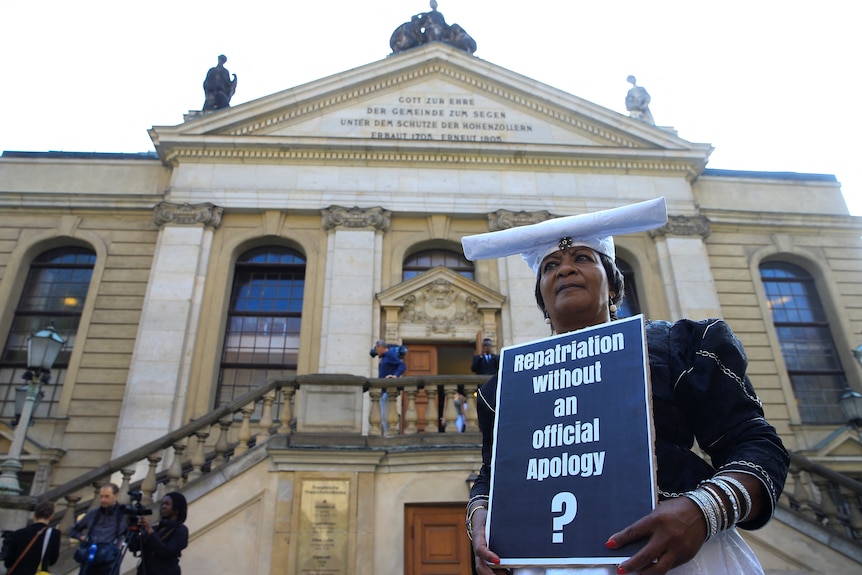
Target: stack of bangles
[708, 498]
[476, 502]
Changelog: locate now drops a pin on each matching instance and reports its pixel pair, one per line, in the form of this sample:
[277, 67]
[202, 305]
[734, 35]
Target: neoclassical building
[220, 296]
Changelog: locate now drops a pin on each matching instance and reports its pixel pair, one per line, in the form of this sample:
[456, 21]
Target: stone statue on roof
[430, 27]
[218, 86]
[637, 102]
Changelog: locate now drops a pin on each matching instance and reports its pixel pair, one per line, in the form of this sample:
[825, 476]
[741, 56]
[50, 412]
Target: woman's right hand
[484, 556]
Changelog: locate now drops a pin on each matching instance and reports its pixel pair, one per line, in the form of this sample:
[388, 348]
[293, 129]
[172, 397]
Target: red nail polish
[621, 571]
[495, 561]
[611, 544]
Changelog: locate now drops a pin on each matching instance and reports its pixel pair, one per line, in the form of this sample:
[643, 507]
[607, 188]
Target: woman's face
[166, 509]
[574, 287]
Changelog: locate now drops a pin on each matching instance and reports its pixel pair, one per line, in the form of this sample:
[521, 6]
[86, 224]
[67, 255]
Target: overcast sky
[771, 84]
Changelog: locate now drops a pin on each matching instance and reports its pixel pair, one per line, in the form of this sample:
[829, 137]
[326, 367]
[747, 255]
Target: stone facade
[357, 172]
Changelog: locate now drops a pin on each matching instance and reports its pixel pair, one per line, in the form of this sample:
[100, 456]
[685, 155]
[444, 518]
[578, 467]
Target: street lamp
[43, 347]
[850, 403]
[857, 353]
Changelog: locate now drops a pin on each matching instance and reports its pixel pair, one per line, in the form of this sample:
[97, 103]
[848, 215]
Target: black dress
[699, 390]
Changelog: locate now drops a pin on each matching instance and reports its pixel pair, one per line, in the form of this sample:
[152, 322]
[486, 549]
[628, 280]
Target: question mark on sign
[566, 503]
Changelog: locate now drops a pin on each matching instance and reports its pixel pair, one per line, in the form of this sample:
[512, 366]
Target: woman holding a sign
[699, 391]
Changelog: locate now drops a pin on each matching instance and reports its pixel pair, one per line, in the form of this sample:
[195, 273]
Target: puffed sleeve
[723, 409]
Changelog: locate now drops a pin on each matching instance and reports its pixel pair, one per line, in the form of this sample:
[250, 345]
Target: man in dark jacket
[486, 362]
[105, 525]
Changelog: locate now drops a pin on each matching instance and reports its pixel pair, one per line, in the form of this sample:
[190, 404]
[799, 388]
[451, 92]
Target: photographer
[159, 546]
[104, 528]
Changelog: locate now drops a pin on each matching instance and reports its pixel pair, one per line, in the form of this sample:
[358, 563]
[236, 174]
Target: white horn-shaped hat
[594, 230]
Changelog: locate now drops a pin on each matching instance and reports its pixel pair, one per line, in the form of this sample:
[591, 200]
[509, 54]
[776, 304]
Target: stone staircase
[230, 465]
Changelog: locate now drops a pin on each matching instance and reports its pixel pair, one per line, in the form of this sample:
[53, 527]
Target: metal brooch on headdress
[566, 243]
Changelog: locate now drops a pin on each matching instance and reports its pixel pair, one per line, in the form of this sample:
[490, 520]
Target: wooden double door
[435, 541]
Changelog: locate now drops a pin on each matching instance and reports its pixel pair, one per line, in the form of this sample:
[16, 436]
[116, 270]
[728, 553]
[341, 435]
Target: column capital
[187, 214]
[505, 219]
[355, 217]
[683, 226]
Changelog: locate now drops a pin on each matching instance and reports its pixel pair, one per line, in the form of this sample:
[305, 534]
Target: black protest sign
[573, 457]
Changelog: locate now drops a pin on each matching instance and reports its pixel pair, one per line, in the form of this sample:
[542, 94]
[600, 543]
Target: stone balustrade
[824, 497]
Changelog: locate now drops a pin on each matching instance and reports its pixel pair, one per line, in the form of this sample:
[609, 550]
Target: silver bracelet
[743, 491]
[469, 521]
[731, 496]
[719, 502]
[706, 509]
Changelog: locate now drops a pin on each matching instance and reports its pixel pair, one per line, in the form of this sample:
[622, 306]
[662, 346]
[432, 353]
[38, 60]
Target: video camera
[135, 510]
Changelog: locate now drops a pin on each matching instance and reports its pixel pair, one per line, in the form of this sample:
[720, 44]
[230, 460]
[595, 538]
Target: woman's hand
[480, 546]
[675, 532]
[144, 524]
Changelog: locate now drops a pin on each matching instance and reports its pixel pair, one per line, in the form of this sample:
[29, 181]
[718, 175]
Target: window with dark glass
[630, 305]
[54, 294]
[262, 334]
[806, 341]
[428, 259]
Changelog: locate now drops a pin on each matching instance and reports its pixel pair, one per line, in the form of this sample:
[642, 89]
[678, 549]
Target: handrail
[163, 442]
[825, 497]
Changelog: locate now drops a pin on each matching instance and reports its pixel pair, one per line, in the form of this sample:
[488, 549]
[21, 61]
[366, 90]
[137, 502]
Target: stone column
[353, 268]
[685, 270]
[523, 321]
[157, 386]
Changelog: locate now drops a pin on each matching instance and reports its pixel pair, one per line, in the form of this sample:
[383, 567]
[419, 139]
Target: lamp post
[42, 350]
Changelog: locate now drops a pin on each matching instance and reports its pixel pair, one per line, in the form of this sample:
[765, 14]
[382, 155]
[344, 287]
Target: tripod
[130, 534]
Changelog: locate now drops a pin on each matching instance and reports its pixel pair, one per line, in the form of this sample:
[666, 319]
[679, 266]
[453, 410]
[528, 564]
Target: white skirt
[725, 554]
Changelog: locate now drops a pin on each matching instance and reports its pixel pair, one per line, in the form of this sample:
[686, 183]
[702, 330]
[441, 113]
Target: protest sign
[573, 446]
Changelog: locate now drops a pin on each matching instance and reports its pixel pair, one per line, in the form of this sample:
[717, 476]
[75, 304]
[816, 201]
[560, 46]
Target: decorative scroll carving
[440, 307]
[355, 217]
[187, 214]
[505, 219]
[684, 226]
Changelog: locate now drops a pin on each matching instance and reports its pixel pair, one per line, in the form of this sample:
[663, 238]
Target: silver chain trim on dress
[729, 373]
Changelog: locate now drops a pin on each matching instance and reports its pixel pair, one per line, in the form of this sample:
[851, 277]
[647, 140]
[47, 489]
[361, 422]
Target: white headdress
[594, 230]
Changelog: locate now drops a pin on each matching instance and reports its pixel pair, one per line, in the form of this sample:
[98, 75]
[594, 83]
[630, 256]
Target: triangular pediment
[439, 305]
[432, 97]
[437, 285]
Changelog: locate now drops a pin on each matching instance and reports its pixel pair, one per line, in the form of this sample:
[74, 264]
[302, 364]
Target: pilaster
[157, 386]
[684, 267]
[353, 255]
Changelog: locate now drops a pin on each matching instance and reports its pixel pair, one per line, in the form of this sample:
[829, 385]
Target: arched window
[262, 335]
[428, 259]
[54, 294]
[630, 305]
[806, 342]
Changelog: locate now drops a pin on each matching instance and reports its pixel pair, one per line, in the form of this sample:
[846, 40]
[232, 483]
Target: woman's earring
[547, 320]
[613, 308]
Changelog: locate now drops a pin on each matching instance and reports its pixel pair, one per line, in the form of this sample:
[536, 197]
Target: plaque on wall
[323, 527]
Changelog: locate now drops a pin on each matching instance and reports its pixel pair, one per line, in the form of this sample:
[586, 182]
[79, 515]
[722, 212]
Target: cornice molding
[187, 214]
[358, 154]
[355, 217]
[505, 219]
